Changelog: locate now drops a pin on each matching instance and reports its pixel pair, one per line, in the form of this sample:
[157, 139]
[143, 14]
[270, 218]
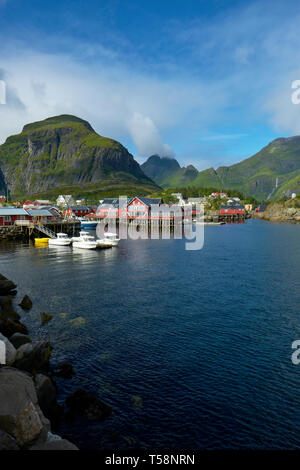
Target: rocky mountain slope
[64, 153]
[167, 172]
[271, 173]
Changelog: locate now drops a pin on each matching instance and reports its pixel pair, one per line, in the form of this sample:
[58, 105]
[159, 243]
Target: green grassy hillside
[64, 153]
[271, 173]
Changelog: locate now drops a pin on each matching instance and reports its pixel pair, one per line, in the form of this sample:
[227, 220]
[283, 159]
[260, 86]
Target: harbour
[205, 333]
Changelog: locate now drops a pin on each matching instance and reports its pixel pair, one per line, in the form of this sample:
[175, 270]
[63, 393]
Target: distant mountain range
[63, 154]
[271, 173]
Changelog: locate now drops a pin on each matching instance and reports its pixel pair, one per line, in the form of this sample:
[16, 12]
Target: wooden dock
[26, 230]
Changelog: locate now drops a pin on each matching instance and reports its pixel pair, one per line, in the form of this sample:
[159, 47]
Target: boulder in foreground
[20, 415]
[34, 357]
[18, 339]
[6, 286]
[10, 351]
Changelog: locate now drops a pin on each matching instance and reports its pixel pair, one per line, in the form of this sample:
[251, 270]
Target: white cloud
[146, 136]
[215, 79]
[125, 105]
[284, 114]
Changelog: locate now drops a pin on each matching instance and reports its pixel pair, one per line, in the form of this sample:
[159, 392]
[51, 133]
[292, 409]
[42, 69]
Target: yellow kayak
[41, 241]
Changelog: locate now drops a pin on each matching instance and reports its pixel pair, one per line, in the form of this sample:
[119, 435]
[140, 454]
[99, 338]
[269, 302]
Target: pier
[26, 230]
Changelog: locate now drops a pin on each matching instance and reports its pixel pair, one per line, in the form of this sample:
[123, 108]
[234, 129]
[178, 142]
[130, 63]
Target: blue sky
[208, 82]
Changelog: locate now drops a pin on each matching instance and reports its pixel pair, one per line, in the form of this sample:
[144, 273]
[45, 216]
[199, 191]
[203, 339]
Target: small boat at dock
[102, 243]
[88, 224]
[112, 238]
[81, 234]
[61, 239]
[41, 241]
[86, 242]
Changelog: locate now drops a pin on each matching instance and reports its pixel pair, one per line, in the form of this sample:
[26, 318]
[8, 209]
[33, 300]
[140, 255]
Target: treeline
[191, 191]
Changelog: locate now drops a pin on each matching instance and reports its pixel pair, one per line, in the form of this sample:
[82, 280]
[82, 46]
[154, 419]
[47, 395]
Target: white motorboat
[110, 239]
[87, 242]
[81, 234]
[102, 243]
[61, 239]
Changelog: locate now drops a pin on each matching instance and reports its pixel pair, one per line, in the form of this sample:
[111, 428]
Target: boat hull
[41, 241]
[103, 244]
[85, 245]
[55, 242]
[89, 225]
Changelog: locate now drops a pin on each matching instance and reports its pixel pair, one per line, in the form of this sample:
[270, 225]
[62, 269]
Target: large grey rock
[9, 326]
[20, 414]
[7, 442]
[61, 444]
[10, 351]
[46, 392]
[18, 339]
[34, 357]
[6, 305]
[26, 303]
[6, 286]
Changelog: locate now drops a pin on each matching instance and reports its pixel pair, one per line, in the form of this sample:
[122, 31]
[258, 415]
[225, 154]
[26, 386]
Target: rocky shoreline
[30, 416]
[280, 212]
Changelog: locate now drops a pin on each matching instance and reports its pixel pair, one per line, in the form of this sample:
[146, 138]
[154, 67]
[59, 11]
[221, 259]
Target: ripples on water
[190, 348]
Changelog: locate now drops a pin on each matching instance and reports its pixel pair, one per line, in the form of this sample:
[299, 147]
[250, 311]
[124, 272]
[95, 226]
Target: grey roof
[80, 208]
[4, 211]
[150, 200]
[235, 206]
[39, 213]
[114, 202]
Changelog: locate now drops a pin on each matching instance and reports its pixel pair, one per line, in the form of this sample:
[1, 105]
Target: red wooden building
[77, 211]
[136, 207]
[28, 205]
[232, 210]
[9, 215]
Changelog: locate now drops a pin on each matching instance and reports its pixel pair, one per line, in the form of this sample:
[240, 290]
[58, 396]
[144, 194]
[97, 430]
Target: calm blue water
[192, 349]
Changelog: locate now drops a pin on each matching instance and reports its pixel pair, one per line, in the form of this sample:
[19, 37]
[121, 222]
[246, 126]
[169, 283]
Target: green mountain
[63, 154]
[167, 172]
[271, 173]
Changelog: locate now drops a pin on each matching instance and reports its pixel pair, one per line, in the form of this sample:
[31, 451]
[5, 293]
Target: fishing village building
[77, 211]
[15, 215]
[232, 210]
[136, 207]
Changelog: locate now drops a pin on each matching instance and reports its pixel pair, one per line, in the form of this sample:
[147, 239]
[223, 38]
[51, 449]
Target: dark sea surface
[191, 349]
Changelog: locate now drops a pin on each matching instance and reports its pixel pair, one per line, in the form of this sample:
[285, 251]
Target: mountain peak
[64, 153]
[63, 120]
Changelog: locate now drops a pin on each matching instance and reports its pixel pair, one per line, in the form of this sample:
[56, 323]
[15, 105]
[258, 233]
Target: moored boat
[86, 242]
[111, 238]
[89, 224]
[81, 234]
[102, 243]
[61, 239]
[41, 241]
